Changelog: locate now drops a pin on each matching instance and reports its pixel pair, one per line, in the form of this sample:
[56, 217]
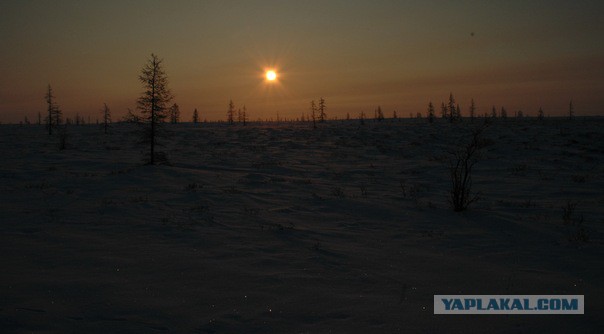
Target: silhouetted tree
[321, 109]
[174, 113]
[379, 115]
[231, 112]
[244, 116]
[451, 108]
[430, 112]
[464, 159]
[130, 117]
[458, 113]
[540, 114]
[394, 115]
[571, 110]
[519, 114]
[494, 112]
[195, 116]
[348, 116]
[443, 110]
[152, 103]
[472, 110]
[54, 117]
[362, 118]
[106, 114]
[503, 113]
[313, 110]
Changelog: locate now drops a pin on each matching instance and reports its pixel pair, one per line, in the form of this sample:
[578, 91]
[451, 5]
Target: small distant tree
[494, 112]
[571, 110]
[519, 114]
[321, 109]
[106, 116]
[458, 113]
[348, 115]
[472, 110]
[379, 115]
[130, 117]
[503, 113]
[153, 102]
[443, 110]
[394, 115]
[540, 114]
[313, 113]
[195, 116]
[451, 108]
[54, 117]
[174, 113]
[231, 112]
[430, 112]
[244, 116]
[362, 118]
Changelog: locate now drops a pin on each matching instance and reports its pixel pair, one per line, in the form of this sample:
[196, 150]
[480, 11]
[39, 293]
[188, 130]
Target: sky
[399, 55]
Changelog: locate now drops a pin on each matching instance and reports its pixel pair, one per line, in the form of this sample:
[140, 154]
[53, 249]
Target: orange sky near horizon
[357, 54]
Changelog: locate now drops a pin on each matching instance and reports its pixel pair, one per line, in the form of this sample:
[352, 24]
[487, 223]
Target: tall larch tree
[153, 102]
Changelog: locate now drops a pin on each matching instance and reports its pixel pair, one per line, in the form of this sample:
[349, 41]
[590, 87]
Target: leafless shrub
[338, 192]
[577, 232]
[63, 136]
[461, 166]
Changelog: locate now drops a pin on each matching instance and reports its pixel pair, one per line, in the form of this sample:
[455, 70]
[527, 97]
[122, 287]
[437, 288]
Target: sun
[271, 75]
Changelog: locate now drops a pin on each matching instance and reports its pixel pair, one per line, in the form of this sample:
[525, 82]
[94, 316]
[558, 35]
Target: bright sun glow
[271, 75]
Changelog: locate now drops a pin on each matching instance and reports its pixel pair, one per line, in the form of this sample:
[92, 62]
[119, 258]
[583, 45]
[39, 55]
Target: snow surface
[279, 228]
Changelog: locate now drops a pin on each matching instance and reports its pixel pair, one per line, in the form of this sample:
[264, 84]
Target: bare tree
[379, 115]
[174, 113]
[472, 110]
[244, 116]
[430, 112]
[463, 162]
[313, 110]
[152, 103]
[321, 109]
[195, 116]
[571, 110]
[231, 112]
[540, 114]
[451, 108]
[106, 117]
[54, 117]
